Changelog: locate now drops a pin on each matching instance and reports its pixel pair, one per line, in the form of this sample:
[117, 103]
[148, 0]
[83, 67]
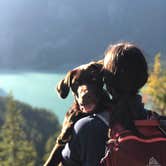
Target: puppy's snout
[82, 90]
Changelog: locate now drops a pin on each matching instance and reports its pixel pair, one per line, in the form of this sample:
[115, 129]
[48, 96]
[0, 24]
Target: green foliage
[15, 149]
[155, 89]
[49, 146]
[24, 132]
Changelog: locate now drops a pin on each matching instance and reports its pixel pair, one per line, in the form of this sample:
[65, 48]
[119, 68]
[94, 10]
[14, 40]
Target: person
[87, 145]
[125, 72]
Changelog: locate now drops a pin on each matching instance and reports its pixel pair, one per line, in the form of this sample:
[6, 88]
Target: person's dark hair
[125, 72]
[128, 66]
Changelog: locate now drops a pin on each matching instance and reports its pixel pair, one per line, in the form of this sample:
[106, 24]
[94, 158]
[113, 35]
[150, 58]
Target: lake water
[37, 89]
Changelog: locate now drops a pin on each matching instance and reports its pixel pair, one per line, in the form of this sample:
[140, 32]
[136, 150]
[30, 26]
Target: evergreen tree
[15, 149]
[156, 87]
[49, 146]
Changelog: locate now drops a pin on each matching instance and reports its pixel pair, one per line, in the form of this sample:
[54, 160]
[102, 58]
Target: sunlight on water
[36, 89]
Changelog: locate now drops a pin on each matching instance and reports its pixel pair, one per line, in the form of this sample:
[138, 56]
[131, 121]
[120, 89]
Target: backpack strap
[152, 115]
[160, 124]
[147, 123]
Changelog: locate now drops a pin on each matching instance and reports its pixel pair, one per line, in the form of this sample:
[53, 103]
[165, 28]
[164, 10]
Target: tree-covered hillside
[154, 92]
[22, 126]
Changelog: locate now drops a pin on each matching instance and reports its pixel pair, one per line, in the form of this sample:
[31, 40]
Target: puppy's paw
[67, 129]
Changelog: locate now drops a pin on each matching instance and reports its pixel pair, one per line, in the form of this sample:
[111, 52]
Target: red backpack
[126, 149]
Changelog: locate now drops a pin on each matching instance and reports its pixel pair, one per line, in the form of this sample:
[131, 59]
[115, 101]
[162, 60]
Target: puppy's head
[85, 82]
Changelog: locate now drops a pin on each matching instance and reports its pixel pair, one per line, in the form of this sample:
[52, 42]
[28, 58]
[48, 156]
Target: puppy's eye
[92, 72]
[76, 83]
[94, 78]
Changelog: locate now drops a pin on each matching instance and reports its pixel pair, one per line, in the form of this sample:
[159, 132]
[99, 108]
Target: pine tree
[49, 146]
[15, 149]
[156, 87]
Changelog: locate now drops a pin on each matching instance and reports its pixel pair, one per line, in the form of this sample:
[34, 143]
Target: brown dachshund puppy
[86, 84]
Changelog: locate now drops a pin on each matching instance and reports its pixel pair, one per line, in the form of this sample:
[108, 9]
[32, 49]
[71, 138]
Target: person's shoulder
[84, 123]
[89, 122]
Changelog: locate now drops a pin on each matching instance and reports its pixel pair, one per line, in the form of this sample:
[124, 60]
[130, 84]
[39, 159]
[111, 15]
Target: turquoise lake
[37, 89]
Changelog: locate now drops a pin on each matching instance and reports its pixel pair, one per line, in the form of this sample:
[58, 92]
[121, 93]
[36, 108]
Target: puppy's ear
[63, 86]
[100, 62]
[99, 65]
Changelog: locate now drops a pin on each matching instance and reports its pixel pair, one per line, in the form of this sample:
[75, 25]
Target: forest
[26, 134]
[154, 92]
